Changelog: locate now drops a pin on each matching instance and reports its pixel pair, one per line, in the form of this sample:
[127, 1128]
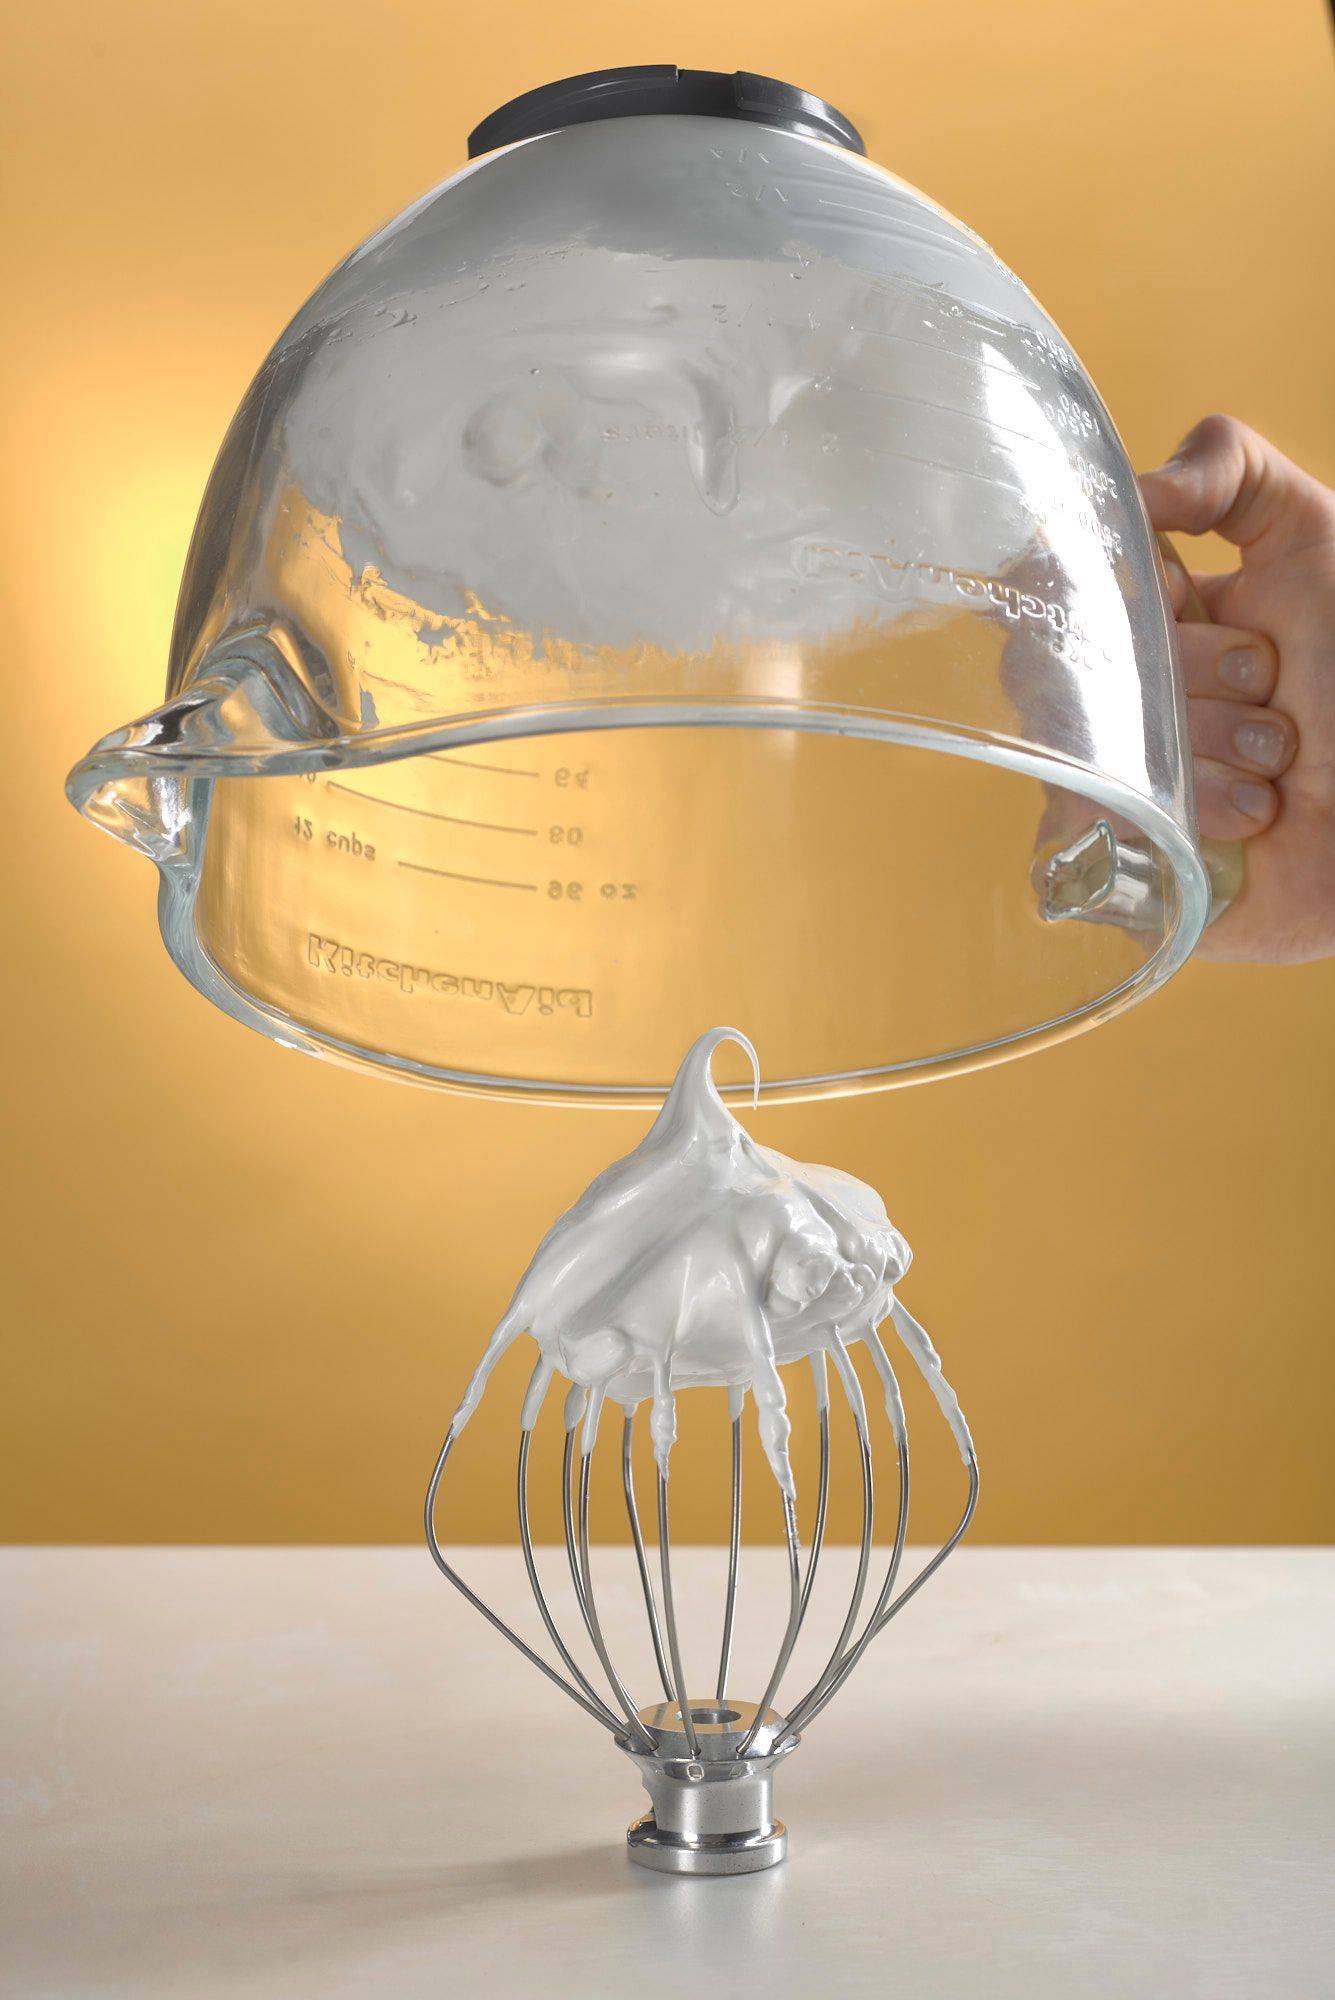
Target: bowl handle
[1223, 858]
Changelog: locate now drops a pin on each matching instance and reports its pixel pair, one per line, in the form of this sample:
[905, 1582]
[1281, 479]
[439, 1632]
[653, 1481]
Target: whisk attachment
[705, 1260]
[708, 1762]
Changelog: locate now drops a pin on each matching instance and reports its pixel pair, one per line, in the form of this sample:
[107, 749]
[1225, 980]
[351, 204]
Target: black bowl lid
[655, 89]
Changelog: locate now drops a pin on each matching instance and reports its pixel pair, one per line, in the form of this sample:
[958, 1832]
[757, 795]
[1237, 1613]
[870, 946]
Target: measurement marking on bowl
[450, 819]
[467, 764]
[452, 875]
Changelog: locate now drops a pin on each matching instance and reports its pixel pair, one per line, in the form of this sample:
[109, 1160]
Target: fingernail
[1253, 800]
[1242, 669]
[1261, 743]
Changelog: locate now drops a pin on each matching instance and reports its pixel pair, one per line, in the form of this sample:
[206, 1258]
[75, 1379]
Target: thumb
[1226, 477]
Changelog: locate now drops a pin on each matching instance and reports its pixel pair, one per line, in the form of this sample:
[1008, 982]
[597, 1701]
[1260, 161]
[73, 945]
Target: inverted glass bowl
[672, 574]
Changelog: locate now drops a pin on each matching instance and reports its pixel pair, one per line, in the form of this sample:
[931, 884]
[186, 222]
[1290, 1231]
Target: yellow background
[247, 1287]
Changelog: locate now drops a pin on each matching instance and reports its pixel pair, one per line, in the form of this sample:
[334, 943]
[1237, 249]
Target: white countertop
[287, 1772]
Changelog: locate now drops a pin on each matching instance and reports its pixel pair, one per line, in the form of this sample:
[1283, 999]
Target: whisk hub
[712, 1812]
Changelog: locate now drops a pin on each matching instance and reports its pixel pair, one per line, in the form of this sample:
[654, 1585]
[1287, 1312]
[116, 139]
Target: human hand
[1260, 682]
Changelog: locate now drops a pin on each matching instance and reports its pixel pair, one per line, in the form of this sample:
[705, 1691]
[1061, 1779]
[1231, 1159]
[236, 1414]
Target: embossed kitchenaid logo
[346, 961]
[894, 579]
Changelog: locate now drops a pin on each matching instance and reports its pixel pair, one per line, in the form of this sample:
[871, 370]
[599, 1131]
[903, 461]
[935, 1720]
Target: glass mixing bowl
[673, 573]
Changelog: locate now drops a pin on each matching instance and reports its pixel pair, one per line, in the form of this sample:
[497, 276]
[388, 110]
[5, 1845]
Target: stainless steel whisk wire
[627, 1727]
